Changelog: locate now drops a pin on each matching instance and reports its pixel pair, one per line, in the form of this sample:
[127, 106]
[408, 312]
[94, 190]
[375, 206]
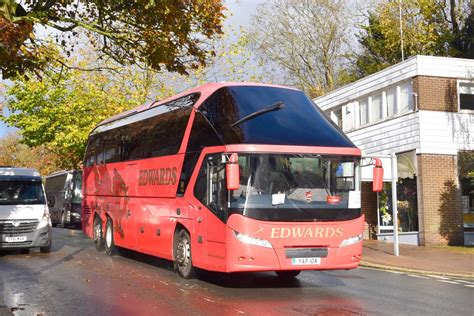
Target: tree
[169, 35]
[60, 110]
[14, 153]
[430, 27]
[306, 38]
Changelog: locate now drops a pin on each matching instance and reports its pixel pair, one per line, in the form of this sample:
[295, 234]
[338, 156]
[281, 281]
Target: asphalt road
[75, 279]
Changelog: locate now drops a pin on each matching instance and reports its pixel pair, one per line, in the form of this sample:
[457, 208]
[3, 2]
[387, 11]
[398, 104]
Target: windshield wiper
[274, 107]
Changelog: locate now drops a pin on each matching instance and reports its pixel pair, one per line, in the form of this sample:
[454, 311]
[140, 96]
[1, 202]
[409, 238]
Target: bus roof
[204, 90]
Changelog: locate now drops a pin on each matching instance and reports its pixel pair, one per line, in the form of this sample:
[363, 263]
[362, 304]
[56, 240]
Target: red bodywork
[140, 198]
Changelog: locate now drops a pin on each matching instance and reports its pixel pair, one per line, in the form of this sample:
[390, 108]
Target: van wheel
[287, 275]
[46, 249]
[183, 257]
[98, 234]
[25, 251]
[110, 248]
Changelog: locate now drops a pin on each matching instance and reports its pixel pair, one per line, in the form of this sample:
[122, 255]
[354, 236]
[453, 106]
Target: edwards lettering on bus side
[159, 176]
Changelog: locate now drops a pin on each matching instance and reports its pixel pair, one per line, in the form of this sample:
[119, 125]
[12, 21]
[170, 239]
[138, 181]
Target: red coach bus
[226, 177]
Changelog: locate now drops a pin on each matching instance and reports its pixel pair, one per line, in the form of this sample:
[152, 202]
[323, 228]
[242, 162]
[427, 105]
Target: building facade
[422, 110]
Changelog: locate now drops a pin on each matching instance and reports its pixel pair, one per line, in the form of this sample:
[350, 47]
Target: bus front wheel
[183, 257]
[289, 274]
[110, 248]
[98, 234]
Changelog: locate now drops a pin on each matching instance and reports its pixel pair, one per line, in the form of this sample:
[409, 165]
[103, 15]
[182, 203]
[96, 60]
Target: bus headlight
[351, 241]
[246, 239]
[45, 220]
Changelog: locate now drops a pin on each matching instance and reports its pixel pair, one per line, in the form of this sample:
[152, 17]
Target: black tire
[63, 218]
[110, 248]
[25, 251]
[183, 255]
[98, 234]
[288, 274]
[46, 249]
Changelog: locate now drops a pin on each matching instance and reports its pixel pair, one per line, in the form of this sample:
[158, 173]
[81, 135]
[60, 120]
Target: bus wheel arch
[182, 252]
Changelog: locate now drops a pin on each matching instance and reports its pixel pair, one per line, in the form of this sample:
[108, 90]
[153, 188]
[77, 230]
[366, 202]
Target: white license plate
[15, 239]
[305, 261]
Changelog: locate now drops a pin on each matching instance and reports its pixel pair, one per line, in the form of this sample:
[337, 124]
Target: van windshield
[77, 191]
[21, 192]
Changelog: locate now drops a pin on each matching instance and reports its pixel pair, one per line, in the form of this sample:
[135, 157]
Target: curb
[366, 264]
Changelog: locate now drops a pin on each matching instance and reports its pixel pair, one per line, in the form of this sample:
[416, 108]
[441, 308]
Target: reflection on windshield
[294, 182]
[21, 192]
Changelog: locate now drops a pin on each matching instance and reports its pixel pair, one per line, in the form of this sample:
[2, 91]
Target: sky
[239, 14]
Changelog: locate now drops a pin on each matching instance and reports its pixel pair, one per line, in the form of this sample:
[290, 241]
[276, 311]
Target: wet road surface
[75, 279]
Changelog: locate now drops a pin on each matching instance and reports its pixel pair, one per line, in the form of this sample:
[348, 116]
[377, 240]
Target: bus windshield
[295, 187]
[21, 192]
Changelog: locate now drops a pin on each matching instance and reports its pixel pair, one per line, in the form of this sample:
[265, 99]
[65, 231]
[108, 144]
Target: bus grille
[17, 227]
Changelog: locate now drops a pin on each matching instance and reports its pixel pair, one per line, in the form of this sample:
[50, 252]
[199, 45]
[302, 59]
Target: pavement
[431, 260]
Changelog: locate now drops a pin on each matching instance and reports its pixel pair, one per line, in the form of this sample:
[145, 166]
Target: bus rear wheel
[110, 248]
[98, 234]
[289, 274]
[183, 257]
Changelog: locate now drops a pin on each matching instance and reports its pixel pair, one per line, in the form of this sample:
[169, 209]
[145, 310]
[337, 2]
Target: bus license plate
[304, 261]
[15, 239]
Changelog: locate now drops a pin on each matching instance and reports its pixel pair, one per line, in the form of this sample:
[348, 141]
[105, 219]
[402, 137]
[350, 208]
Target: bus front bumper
[257, 258]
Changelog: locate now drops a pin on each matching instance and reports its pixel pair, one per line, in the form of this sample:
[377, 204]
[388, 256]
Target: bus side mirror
[377, 182]
[232, 172]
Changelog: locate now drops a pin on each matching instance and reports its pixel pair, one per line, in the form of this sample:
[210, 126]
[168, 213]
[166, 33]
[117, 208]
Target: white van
[24, 215]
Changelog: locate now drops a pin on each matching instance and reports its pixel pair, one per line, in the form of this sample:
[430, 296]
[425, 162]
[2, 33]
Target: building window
[336, 117]
[392, 102]
[466, 95]
[363, 112]
[376, 108]
[406, 98]
[407, 204]
[348, 116]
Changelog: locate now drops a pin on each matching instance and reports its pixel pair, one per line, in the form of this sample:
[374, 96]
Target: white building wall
[397, 135]
[445, 132]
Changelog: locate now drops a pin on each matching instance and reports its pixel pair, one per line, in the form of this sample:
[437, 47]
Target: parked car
[24, 215]
[64, 195]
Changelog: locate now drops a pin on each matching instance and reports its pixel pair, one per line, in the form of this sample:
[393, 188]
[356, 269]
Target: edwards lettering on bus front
[307, 232]
[159, 176]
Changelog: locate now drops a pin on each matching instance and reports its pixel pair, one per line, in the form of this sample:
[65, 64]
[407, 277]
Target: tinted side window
[202, 135]
[92, 150]
[153, 137]
[165, 133]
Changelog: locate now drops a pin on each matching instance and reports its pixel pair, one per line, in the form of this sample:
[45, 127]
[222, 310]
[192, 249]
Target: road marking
[446, 281]
[418, 276]
[438, 277]
[463, 281]
[468, 285]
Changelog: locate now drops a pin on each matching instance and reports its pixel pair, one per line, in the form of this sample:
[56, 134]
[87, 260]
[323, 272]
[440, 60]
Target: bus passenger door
[216, 215]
